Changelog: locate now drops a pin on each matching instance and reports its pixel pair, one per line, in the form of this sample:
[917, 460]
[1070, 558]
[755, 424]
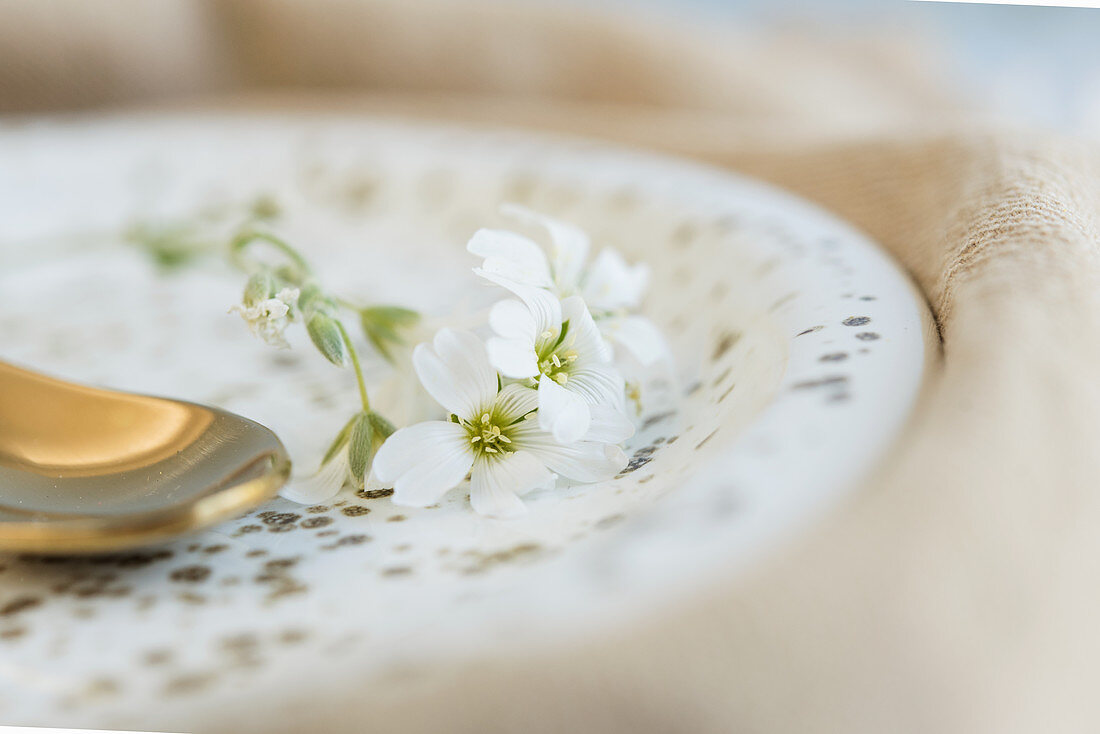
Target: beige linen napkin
[960, 589]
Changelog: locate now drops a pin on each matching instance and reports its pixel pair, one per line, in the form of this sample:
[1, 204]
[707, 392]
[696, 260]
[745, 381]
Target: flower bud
[312, 298]
[361, 446]
[260, 287]
[382, 427]
[325, 334]
[340, 441]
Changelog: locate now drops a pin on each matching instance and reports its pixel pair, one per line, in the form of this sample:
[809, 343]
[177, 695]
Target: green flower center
[488, 435]
[556, 354]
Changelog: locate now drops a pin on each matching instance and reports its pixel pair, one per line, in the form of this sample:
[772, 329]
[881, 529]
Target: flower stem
[345, 303]
[244, 239]
[355, 364]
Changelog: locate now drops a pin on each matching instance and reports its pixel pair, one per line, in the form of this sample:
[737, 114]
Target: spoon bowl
[84, 469]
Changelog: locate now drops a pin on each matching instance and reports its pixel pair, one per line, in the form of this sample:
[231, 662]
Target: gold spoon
[90, 470]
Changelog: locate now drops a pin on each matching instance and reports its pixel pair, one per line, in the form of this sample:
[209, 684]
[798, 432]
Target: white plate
[800, 349]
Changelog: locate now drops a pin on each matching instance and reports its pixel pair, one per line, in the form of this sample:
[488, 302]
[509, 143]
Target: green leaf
[361, 446]
[396, 315]
[325, 335]
[382, 326]
[340, 440]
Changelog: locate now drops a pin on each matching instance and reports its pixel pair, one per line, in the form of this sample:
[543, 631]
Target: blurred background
[1033, 65]
[1036, 64]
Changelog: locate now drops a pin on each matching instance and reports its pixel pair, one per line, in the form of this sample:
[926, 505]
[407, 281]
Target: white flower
[268, 318]
[491, 436]
[611, 287]
[638, 335]
[555, 346]
[325, 484]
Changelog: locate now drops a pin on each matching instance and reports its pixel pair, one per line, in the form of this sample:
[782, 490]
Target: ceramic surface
[799, 347]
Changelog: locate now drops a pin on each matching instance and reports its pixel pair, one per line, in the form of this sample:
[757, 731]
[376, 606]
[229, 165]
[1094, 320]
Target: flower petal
[513, 352]
[455, 370]
[325, 484]
[495, 483]
[511, 256]
[423, 461]
[570, 245]
[562, 413]
[584, 335]
[583, 461]
[514, 358]
[514, 402]
[544, 305]
[598, 384]
[612, 284]
[639, 336]
[513, 320]
[609, 425]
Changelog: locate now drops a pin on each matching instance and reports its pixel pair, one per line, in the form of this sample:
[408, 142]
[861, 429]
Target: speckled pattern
[799, 352]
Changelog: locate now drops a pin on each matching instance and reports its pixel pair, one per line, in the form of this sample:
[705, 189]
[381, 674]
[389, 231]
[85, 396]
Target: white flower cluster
[268, 317]
[542, 396]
